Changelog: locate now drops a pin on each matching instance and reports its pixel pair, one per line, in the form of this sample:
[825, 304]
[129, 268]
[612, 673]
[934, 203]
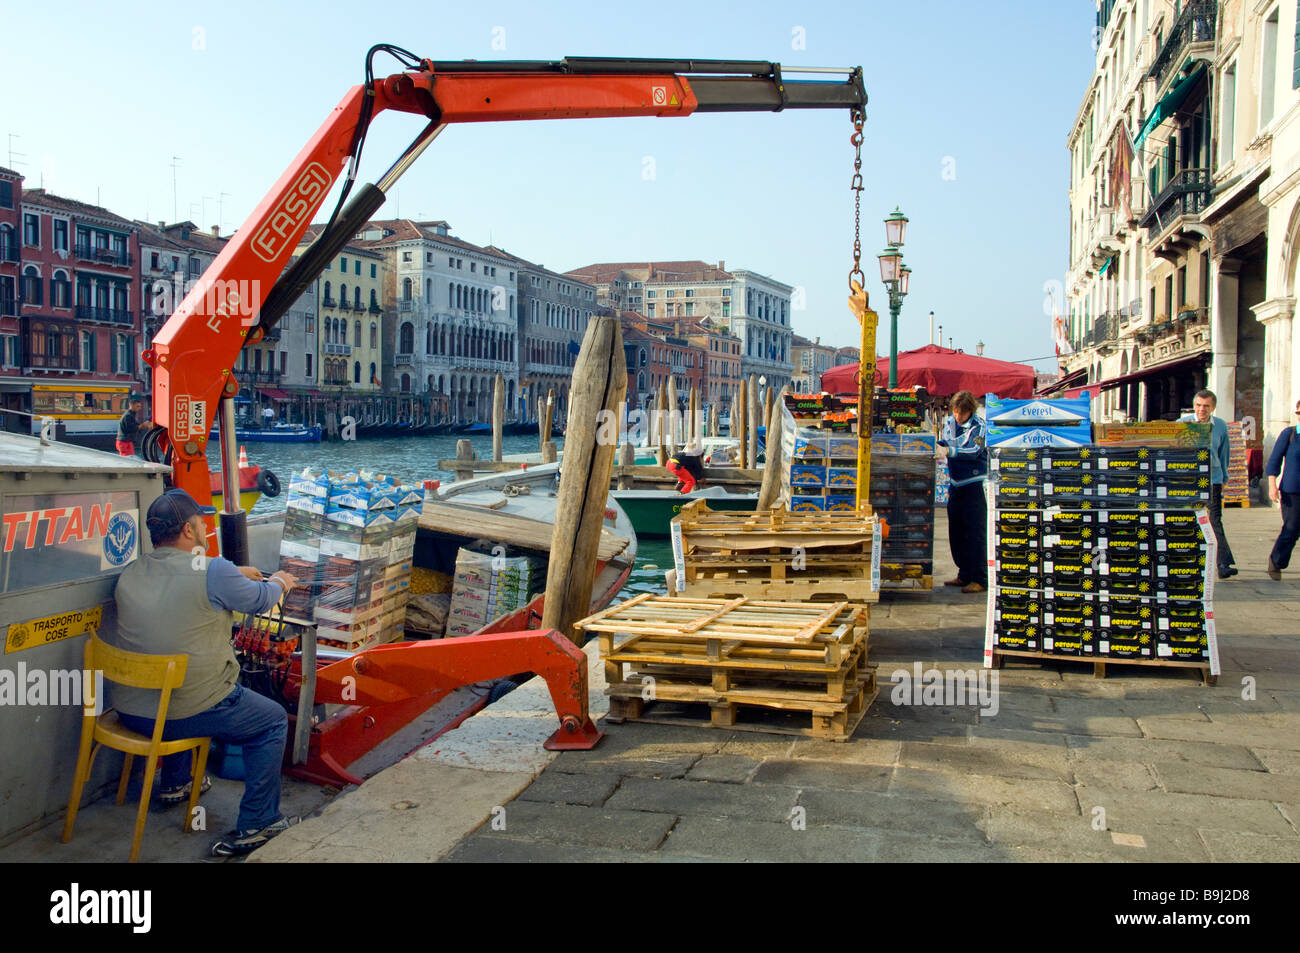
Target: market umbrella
[942, 372]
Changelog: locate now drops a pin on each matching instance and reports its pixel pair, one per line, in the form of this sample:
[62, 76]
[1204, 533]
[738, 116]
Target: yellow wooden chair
[163, 672]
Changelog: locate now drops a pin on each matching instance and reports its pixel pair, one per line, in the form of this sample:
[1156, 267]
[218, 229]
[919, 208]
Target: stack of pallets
[776, 555]
[1236, 488]
[792, 668]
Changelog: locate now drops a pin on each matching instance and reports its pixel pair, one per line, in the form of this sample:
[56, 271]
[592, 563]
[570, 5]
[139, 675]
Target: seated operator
[175, 600]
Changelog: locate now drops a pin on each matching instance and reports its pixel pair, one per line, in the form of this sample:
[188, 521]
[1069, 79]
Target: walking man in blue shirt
[1284, 488]
[1203, 407]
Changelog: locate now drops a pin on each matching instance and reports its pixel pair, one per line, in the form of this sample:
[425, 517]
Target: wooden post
[771, 487]
[693, 435]
[739, 405]
[464, 454]
[661, 415]
[498, 415]
[751, 418]
[549, 452]
[544, 423]
[714, 414]
[674, 417]
[599, 383]
[627, 458]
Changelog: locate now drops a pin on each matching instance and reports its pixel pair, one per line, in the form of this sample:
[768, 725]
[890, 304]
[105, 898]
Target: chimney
[216, 231]
[162, 226]
[722, 265]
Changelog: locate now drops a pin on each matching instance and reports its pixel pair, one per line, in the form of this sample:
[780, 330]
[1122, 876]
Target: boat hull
[651, 511]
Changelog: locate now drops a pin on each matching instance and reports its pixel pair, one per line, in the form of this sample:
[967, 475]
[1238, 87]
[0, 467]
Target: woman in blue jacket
[1284, 462]
[965, 447]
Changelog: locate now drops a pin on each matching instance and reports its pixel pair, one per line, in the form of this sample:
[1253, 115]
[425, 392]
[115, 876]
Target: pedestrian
[168, 603]
[1203, 405]
[1283, 473]
[964, 448]
[131, 428]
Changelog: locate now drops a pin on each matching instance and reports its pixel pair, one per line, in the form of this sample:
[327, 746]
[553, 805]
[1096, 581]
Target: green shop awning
[1169, 105]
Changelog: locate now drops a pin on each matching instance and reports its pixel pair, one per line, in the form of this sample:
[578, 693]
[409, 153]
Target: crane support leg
[391, 684]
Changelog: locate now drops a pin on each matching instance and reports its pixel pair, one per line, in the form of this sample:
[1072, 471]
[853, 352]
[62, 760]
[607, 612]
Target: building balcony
[104, 256]
[1195, 26]
[405, 304]
[272, 334]
[86, 312]
[1187, 194]
[402, 360]
[376, 309]
[267, 378]
[329, 302]
[337, 349]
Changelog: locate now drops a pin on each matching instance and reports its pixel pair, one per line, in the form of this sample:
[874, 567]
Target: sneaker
[170, 797]
[955, 582]
[237, 843]
[972, 587]
[1273, 571]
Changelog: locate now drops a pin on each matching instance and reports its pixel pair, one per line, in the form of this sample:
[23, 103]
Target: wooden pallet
[853, 589]
[776, 554]
[1099, 664]
[771, 713]
[738, 654]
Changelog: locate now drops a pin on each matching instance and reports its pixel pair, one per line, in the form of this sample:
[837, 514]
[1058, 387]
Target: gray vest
[163, 609]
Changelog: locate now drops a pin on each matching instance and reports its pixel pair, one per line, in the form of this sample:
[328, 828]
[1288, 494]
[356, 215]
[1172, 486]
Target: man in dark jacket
[130, 428]
[968, 466]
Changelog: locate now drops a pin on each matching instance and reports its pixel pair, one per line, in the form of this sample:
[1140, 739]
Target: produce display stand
[1103, 554]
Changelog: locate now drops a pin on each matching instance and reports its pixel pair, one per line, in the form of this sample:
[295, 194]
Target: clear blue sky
[111, 92]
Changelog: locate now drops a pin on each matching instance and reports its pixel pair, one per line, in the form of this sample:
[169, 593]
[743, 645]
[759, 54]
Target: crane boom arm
[251, 284]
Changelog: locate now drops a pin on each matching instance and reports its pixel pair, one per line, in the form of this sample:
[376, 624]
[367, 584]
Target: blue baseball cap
[170, 512]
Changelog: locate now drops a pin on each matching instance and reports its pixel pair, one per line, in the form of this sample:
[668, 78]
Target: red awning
[1138, 375]
[274, 393]
[942, 372]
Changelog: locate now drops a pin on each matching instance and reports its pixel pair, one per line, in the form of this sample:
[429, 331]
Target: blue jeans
[252, 721]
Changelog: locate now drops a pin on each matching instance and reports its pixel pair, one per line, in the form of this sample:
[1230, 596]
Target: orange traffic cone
[243, 457]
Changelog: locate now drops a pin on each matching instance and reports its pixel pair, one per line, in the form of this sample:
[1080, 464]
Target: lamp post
[896, 276]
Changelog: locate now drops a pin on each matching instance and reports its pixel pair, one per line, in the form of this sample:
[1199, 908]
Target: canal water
[412, 460]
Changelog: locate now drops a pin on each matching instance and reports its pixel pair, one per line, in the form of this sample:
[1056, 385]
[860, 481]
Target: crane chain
[856, 186]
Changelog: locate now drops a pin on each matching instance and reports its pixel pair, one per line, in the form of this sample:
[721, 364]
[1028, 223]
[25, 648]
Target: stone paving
[1144, 765]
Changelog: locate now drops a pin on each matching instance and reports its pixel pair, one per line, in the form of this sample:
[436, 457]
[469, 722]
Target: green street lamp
[896, 277]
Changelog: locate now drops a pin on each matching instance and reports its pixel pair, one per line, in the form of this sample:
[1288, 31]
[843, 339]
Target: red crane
[252, 283]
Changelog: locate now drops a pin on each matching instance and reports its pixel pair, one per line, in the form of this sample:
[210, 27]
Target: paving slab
[582, 826]
[990, 758]
[831, 775]
[857, 750]
[1227, 782]
[741, 840]
[759, 802]
[1239, 848]
[948, 820]
[1046, 837]
[499, 849]
[1277, 760]
[725, 768]
[587, 790]
[1114, 774]
[1024, 793]
[1126, 810]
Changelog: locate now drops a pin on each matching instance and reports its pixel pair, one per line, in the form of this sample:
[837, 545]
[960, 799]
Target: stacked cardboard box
[349, 540]
[1102, 552]
[487, 585]
[1236, 488]
[1038, 422]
